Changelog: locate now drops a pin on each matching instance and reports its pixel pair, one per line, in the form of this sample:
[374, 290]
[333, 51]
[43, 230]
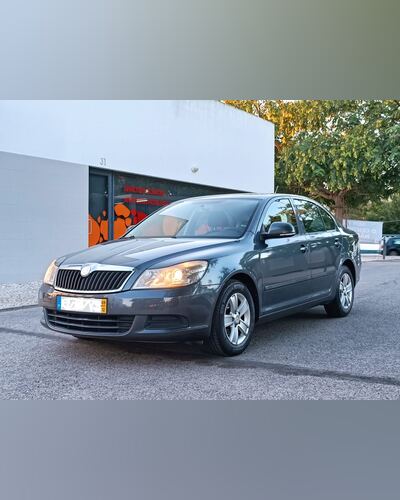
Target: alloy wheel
[237, 317]
[346, 291]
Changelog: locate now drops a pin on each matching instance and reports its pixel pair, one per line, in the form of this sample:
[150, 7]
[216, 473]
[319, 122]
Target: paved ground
[18, 294]
[306, 356]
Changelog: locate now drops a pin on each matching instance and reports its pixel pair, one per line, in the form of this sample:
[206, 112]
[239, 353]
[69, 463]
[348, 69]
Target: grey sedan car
[206, 269]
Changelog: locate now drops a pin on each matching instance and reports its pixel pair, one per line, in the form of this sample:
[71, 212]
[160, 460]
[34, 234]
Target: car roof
[257, 196]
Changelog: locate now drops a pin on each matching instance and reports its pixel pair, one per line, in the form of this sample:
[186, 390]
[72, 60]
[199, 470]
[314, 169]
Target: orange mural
[94, 232]
[98, 228]
[122, 220]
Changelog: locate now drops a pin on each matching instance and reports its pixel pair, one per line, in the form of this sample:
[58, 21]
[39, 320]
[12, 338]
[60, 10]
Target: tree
[386, 210]
[344, 152]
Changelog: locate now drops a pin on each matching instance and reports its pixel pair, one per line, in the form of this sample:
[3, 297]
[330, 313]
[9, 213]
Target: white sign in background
[368, 231]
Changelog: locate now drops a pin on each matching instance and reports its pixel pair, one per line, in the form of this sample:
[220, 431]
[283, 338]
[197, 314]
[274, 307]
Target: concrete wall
[43, 214]
[46, 147]
[230, 148]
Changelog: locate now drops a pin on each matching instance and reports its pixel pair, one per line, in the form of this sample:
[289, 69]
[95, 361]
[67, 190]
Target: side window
[310, 216]
[330, 224]
[280, 211]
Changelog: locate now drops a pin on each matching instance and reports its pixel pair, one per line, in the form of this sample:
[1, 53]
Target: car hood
[135, 252]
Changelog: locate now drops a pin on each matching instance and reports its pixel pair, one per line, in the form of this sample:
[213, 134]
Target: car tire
[342, 304]
[393, 253]
[233, 321]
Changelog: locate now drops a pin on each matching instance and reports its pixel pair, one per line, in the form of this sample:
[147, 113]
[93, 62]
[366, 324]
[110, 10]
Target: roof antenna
[276, 189]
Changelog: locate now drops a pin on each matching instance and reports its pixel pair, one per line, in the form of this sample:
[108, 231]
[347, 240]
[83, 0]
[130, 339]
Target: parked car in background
[392, 245]
[208, 269]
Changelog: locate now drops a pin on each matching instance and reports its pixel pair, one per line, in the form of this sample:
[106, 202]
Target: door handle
[303, 248]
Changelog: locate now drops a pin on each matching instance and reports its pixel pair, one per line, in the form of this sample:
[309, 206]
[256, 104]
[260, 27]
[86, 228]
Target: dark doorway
[99, 208]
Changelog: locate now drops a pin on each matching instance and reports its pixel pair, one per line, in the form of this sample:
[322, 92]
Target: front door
[284, 262]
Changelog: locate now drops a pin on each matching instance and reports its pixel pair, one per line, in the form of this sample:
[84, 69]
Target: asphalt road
[307, 356]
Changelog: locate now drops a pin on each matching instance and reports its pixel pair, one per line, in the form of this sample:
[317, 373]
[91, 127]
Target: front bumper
[157, 315]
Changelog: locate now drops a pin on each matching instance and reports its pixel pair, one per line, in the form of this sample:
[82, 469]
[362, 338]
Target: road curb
[16, 308]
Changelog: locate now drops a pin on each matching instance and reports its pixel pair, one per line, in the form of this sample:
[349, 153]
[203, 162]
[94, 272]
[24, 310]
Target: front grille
[89, 323]
[71, 279]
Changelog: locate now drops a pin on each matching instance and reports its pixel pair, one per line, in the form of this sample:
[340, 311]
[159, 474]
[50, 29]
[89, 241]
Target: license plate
[81, 304]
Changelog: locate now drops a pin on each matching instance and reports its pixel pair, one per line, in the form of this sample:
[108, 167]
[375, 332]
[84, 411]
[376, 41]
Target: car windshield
[212, 218]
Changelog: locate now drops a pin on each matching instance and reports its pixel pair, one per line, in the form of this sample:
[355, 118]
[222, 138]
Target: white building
[62, 161]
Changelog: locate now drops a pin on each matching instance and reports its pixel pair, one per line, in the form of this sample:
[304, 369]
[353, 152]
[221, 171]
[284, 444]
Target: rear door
[325, 242]
[284, 261]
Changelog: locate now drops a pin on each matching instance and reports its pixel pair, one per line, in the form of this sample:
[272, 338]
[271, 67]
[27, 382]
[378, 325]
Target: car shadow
[266, 331]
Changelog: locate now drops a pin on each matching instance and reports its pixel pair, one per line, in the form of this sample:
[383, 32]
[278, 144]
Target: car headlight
[50, 274]
[183, 274]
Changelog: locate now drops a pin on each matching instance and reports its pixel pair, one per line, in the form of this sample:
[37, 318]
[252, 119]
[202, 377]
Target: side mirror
[278, 230]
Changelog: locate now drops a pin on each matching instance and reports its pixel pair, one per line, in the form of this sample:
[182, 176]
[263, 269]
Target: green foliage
[345, 152]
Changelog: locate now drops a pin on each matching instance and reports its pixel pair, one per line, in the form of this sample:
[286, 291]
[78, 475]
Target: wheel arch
[350, 264]
[247, 280]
